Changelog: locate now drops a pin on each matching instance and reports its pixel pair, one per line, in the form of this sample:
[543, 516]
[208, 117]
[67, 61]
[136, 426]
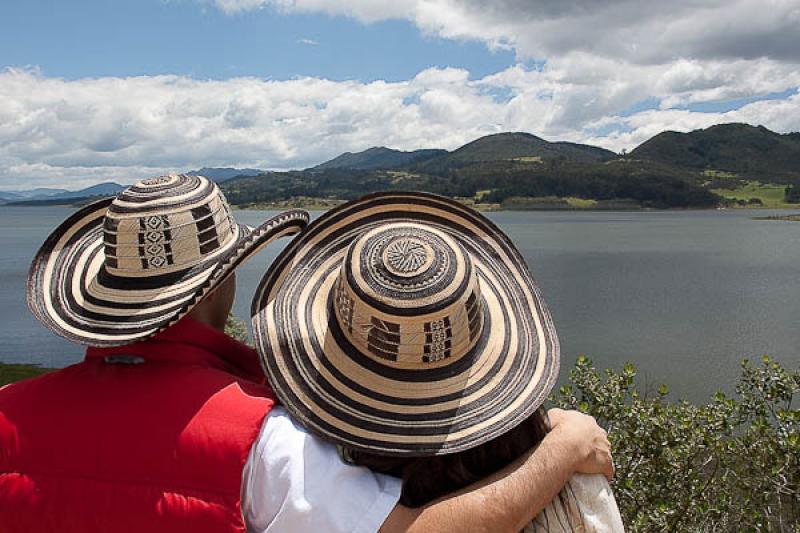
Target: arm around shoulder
[511, 498]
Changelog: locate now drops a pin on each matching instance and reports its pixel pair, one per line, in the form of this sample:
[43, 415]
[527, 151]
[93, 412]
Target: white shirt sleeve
[585, 504]
[597, 504]
[296, 482]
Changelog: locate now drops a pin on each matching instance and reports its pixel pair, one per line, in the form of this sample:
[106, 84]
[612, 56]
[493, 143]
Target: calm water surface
[683, 295]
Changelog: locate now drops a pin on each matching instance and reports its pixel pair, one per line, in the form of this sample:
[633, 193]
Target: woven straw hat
[405, 324]
[121, 270]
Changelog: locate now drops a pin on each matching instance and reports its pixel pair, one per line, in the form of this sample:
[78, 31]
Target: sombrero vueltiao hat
[122, 269]
[405, 324]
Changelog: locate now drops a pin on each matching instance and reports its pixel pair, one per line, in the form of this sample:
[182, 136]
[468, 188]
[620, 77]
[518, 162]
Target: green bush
[236, 327]
[10, 373]
[729, 465]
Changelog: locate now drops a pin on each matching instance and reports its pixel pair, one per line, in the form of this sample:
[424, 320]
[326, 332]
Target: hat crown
[407, 293]
[407, 256]
[166, 224]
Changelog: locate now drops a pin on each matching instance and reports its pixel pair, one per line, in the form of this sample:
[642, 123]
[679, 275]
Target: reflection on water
[683, 294]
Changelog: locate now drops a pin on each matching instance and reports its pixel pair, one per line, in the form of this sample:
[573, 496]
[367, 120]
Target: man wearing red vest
[168, 425]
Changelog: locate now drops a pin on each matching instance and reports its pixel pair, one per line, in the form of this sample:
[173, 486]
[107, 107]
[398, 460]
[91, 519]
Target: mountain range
[44, 196]
[739, 148]
[223, 174]
[671, 169]
[500, 146]
[40, 192]
[48, 196]
[378, 157]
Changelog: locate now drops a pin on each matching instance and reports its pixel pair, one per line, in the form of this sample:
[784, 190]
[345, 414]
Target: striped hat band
[121, 270]
[145, 236]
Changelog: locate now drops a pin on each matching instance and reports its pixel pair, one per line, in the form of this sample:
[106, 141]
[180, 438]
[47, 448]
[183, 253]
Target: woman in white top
[407, 328]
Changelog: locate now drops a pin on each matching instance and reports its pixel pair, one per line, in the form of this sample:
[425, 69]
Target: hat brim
[353, 399]
[70, 291]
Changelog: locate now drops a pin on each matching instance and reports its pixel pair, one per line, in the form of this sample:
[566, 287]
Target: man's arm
[511, 498]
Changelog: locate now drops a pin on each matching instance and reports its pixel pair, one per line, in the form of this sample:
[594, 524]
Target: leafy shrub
[10, 372]
[236, 327]
[730, 465]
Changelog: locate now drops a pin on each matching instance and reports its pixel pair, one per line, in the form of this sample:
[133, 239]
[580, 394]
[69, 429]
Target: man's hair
[428, 478]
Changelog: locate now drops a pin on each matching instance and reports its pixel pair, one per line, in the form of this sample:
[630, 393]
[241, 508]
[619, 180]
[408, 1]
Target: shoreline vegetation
[731, 463]
[788, 218]
[526, 203]
[12, 372]
[514, 203]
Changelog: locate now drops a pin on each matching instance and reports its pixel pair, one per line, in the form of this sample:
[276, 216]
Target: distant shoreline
[789, 218]
[324, 204]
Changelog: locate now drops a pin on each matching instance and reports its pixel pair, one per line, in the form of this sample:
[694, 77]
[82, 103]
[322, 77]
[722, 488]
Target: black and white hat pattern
[405, 324]
[122, 269]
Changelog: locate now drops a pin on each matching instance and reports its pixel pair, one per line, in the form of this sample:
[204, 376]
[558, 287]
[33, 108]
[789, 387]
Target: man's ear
[211, 295]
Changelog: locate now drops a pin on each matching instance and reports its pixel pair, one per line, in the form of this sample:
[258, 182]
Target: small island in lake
[790, 218]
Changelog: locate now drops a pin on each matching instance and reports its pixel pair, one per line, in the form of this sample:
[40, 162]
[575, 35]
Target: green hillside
[378, 157]
[516, 145]
[489, 182]
[739, 149]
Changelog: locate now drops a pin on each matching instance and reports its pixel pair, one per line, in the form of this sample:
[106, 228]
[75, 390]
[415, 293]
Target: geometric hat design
[405, 324]
[121, 270]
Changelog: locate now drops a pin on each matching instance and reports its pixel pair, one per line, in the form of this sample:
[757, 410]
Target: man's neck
[202, 315]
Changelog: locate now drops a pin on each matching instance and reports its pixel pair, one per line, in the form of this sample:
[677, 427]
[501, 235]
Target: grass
[580, 203]
[401, 174]
[299, 202]
[9, 373]
[547, 203]
[719, 174]
[528, 159]
[770, 194]
[480, 206]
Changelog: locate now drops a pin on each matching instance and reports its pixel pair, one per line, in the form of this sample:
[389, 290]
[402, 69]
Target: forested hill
[703, 168]
[378, 157]
[751, 151]
[516, 146]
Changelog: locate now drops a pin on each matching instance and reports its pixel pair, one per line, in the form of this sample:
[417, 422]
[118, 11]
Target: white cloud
[641, 32]
[310, 42]
[680, 52]
[55, 132]
[782, 115]
[601, 56]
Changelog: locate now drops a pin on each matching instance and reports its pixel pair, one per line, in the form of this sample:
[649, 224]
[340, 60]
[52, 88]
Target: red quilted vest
[149, 447]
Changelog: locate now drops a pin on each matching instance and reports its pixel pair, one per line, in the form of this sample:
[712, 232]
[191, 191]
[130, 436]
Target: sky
[94, 91]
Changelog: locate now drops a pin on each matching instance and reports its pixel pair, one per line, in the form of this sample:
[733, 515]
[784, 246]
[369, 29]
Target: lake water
[684, 295]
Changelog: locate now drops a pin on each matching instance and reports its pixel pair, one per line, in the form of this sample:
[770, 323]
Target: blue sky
[146, 37]
[94, 91]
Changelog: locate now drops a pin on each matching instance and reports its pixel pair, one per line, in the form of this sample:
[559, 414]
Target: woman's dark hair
[428, 478]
